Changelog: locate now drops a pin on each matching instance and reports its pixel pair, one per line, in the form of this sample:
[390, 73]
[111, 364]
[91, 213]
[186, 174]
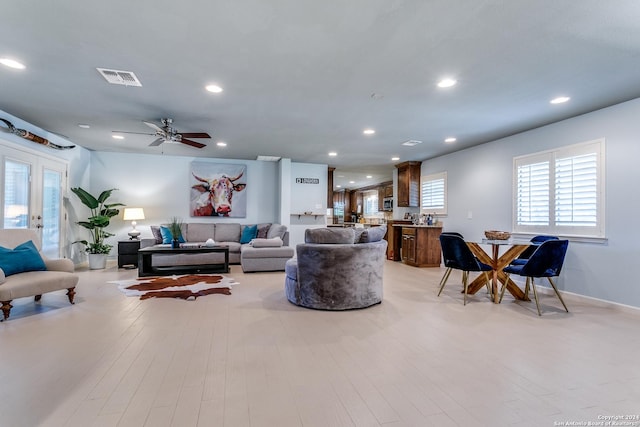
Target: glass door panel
[17, 194]
[51, 212]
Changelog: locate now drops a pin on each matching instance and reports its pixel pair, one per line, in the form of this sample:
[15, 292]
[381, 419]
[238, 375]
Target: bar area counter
[417, 245]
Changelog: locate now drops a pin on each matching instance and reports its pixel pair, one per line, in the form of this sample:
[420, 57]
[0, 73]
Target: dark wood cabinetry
[408, 184]
[421, 246]
[128, 252]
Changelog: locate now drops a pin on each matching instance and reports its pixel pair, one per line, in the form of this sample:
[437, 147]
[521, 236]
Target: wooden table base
[497, 263]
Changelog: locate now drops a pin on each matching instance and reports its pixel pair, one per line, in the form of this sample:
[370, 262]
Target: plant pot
[97, 261]
[175, 244]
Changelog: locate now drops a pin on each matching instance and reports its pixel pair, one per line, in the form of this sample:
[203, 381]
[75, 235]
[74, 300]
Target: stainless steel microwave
[387, 203]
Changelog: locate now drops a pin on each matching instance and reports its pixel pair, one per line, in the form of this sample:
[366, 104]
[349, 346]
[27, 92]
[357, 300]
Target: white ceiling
[298, 75]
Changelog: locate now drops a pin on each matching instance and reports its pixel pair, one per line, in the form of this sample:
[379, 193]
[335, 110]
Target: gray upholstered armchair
[331, 272]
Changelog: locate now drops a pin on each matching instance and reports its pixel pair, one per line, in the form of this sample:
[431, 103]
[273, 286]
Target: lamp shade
[133, 214]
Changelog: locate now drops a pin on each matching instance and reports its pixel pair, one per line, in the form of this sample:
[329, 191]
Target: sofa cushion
[276, 242]
[249, 233]
[200, 232]
[373, 234]
[167, 237]
[155, 230]
[227, 232]
[329, 235]
[263, 230]
[276, 230]
[24, 257]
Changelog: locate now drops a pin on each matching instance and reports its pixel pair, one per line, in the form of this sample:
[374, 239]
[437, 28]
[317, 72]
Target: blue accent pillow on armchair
[24, 257]
[167, 237]
[249, 233]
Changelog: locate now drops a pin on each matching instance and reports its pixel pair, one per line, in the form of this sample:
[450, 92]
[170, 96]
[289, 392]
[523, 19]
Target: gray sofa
[33, 281]
[337, 269]
[269, 251]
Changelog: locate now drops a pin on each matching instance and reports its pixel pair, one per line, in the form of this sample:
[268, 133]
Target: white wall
[307, 198]
[480, 181]
[160, 185]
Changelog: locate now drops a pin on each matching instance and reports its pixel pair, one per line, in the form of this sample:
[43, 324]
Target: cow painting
[212, 195]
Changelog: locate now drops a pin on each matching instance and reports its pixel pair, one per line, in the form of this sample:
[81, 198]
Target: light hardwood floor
[254, 359]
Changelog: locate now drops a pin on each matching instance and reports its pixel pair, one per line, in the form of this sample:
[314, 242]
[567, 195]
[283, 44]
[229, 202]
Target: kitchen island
[417, 245]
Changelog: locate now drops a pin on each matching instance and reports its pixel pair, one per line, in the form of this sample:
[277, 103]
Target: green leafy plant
[101, 213]
[175, 227]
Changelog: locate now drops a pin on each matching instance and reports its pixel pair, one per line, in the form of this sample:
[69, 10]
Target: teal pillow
[24, 257]
[249, 233]
[167, 237]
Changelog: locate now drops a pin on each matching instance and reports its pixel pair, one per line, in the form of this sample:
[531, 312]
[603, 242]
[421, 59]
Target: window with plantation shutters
[561, 191]
[433, 193]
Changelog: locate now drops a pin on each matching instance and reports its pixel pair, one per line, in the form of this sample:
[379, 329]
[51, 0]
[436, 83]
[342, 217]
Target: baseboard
[623, 308]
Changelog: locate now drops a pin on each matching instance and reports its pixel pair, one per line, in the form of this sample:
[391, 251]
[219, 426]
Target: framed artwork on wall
[218, 189]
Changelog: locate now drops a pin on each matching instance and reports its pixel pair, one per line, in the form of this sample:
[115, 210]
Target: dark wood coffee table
[145, 255]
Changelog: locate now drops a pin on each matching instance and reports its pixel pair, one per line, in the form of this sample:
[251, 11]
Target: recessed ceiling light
[84, 126]
[450, 140]
[395, 159]
[12, 63]
[369, 177]
[338, 186]
[333, 154]
[369, 131]
[213, 88]
[448, 82]
[560, 100]
[221, 144]
[117, 136]
[352, 182]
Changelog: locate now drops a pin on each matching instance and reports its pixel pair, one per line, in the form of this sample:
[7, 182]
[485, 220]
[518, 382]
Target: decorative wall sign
[307, 180]
[217, 189]
[32, 137]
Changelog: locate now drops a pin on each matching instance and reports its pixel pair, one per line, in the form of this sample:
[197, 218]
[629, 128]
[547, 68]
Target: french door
[33, 187]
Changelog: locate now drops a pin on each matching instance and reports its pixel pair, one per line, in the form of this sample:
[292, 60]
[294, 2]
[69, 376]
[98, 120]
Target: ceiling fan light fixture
[369, 131]
[213, 88]
[117, 136]
[221, 144]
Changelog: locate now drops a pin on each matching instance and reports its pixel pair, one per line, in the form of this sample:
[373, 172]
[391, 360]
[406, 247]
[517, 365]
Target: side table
[128, 253]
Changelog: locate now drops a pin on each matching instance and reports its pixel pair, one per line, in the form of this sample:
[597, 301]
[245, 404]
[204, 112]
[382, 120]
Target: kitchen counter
[417, 226]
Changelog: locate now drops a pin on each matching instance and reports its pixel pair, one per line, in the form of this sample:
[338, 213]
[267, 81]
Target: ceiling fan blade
[153, 126]
[195, 135]
[192, 143]
[156, 142]
[135, 133]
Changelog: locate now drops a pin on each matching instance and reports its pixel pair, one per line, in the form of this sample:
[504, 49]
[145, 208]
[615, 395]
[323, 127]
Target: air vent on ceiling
[268, 158]
[411, 143]
[118, 77]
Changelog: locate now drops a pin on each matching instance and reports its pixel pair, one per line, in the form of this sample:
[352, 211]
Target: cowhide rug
[190, 286]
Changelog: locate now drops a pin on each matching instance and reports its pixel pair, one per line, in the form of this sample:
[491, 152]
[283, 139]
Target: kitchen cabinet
[408, 194]
[394, 238]
[421, 245]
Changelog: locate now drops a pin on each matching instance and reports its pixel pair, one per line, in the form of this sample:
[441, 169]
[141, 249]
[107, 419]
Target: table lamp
[133, 214]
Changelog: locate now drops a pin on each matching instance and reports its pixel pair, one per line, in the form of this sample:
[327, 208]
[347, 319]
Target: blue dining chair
[535, 242]
[458, 256]
[546, 261]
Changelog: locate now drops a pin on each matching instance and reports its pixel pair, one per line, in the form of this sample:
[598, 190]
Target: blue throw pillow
[24, 257]
[249, 233]
[167, 237]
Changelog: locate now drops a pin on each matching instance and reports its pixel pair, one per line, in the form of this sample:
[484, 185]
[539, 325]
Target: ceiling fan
[167, 133]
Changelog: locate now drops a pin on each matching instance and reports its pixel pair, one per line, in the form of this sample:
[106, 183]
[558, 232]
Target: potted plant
[175, 227]
[101, 213]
